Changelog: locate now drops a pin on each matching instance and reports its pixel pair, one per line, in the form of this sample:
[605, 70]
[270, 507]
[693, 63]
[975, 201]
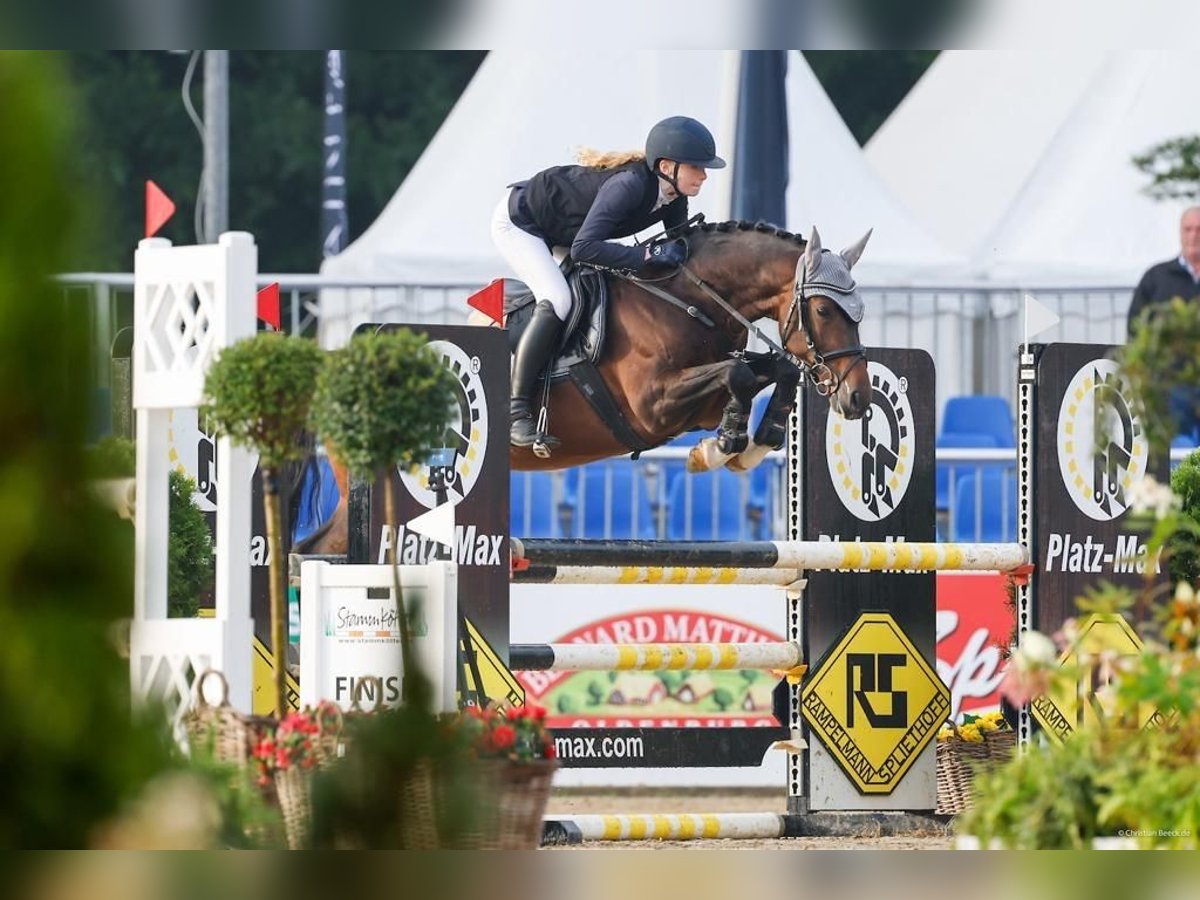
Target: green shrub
[190, 571]
[384, 400]
[1184, 559]
[71, 752]
[258, 393]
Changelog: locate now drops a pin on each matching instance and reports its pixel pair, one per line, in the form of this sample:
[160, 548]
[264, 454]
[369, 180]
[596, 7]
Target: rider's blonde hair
[595, 159]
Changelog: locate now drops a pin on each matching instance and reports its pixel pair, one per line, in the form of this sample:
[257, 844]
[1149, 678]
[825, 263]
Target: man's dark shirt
[1161, 283]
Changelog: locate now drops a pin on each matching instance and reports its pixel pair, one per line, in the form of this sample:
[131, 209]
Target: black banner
[861, 481]
[1092, 452]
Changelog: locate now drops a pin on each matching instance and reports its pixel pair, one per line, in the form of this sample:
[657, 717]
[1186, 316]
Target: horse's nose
[858, 402]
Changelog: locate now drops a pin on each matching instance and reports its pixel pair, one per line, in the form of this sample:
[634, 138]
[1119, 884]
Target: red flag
[268, 305]
[159, 208]
[490, 301]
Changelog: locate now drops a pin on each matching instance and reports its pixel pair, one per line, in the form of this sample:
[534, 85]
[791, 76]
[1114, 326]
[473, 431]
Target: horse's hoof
[736, 465]
[732, 444]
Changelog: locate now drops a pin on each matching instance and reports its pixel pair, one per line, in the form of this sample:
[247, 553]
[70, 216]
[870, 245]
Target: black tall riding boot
[533, 353]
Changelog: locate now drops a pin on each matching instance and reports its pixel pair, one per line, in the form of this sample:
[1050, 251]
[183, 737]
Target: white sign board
[350, 630]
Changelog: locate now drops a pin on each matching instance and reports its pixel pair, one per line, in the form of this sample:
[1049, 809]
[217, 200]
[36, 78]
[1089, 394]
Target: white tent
[1026, 158]
[1082, 217]
[959, 147]
[832, 186]
[524, 111]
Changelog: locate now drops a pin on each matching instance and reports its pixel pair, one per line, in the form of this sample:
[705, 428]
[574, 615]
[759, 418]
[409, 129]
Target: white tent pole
[727, 129]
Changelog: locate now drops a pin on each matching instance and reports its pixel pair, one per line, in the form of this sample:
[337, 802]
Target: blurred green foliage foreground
[70, 752]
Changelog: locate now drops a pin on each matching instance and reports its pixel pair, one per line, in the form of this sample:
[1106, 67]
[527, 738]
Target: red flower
[549, 752]
[503, 737]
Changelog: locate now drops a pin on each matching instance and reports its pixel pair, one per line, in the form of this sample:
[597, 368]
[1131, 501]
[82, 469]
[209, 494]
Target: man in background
[1178, 277]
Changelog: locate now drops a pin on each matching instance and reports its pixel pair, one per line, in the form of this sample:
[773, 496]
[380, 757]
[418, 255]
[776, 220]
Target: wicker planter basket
[511, 810]
[293, 789]
[219, 730]
[958, 761]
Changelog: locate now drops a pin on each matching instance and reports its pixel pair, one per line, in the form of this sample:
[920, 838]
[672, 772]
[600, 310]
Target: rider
[584, 207]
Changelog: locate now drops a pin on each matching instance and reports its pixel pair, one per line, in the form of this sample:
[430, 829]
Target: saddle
[584, 331]
[580, 346]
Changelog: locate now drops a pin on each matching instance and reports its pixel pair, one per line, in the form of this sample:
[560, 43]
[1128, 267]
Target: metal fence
[972, 332]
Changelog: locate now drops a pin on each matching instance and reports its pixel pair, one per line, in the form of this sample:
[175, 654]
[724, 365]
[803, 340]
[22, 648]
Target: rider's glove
[669, 253]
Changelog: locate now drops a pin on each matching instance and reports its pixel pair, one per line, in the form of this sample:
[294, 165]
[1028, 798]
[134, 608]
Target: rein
[819, 372]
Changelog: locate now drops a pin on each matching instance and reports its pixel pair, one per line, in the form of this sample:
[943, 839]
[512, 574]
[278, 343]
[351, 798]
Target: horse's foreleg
[771, 433]
[740, 381]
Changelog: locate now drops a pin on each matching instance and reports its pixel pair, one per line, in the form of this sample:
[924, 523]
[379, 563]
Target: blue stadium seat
[611, 500]
[980, 414]
[998, 507]
[717, 508]
[531, 507]
[957, 441]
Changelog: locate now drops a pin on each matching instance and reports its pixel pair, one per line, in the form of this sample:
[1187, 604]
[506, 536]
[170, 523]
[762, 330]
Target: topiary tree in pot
[259, 393]
[384, 401]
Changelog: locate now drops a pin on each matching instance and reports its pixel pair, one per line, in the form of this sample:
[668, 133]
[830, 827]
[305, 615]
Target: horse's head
[820, 325]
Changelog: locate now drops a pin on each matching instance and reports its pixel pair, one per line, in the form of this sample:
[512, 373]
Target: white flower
[1148, 495]
[1185, 594]
[1035, 651]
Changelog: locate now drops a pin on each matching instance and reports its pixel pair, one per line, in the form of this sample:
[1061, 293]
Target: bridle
[822, 376]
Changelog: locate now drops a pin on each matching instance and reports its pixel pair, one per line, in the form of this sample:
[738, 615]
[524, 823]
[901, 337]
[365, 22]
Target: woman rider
[585, 207]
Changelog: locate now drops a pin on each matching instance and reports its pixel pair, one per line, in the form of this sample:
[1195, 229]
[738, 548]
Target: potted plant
[258, 393]
[286, 757]
[383, 401]
[516, 763]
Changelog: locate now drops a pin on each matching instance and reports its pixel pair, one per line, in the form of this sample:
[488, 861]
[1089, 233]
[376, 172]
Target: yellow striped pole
[652, 657]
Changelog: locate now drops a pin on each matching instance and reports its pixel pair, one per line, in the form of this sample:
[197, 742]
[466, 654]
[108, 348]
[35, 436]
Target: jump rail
[825, 555]
[652, 657]
[538, 574]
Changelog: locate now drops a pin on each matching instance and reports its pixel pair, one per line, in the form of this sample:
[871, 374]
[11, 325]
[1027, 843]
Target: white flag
[437, 524]
[1038, 317]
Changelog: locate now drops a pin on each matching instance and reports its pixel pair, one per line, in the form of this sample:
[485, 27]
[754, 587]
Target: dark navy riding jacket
[584, 208]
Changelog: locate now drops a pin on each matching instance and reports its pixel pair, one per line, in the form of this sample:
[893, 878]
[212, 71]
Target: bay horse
[670, 372]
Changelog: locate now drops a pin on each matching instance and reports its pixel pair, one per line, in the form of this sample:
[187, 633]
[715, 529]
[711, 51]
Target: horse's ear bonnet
[820, 273]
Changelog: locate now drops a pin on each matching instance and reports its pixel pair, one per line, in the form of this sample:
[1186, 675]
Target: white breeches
[531, 259]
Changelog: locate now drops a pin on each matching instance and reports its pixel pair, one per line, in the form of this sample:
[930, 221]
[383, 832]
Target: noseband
[822, 376]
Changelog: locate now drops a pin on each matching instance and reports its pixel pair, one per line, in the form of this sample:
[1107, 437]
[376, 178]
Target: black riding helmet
[683, 140]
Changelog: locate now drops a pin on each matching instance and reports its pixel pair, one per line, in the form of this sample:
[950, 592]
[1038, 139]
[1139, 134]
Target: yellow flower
[945, 734]
[971, 733]
[984, 724]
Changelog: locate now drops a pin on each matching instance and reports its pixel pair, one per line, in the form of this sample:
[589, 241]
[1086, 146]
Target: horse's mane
[735, 225]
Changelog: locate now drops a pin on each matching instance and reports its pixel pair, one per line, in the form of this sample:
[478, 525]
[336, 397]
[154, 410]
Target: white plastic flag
[1038, 317]
[437, 524]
